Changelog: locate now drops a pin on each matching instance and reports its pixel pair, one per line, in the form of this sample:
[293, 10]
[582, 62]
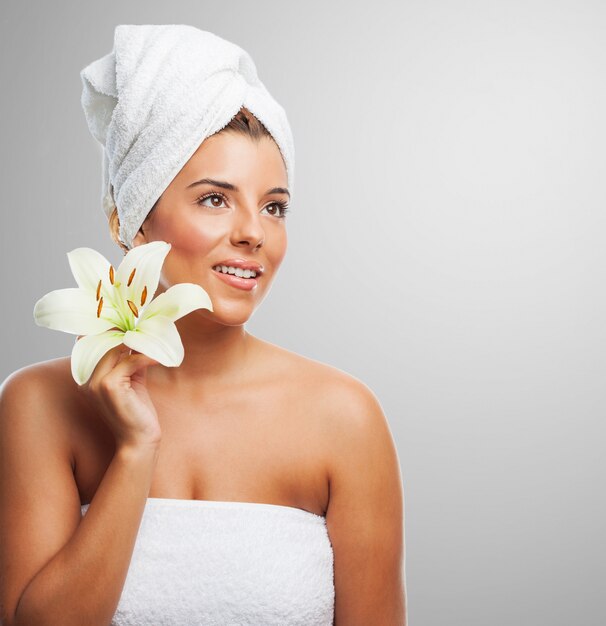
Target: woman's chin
[229, 313]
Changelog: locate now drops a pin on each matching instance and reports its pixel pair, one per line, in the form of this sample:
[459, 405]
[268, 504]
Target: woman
[249, 484]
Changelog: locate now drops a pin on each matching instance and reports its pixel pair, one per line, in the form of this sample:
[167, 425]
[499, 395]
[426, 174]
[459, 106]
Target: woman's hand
[118, 386]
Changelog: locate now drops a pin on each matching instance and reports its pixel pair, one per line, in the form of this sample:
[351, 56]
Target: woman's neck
[215, 355]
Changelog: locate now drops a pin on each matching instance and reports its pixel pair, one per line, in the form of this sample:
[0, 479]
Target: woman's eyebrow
[224, 185]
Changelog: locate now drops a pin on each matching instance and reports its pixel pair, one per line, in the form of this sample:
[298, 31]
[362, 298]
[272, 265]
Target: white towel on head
[155, 97]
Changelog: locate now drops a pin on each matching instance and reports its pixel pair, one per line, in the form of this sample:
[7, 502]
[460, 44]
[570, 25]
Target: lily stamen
[100, 307]
[130, 278]
[111, 274]
[144, 295]
[133, 308]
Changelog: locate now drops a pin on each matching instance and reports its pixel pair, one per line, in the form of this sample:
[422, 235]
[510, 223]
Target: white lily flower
[112, 307]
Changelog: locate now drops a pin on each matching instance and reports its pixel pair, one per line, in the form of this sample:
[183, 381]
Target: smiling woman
[248, 484]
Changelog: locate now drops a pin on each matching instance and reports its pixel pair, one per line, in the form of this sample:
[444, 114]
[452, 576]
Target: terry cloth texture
[155, 97]
[203, 562]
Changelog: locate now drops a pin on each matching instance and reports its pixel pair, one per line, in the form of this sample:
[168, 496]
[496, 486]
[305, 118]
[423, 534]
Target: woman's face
[208, 223]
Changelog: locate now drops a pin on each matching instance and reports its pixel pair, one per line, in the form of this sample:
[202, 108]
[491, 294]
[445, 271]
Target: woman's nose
[247, 228]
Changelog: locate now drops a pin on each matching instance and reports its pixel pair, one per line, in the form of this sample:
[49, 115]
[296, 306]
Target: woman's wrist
[138, 449]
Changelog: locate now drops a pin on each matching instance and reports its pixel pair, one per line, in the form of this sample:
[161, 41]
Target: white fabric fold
[155, 97]
[205, 562]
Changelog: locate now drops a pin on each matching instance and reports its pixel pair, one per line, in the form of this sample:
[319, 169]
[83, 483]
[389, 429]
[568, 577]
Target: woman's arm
[54, 567]
[365, 516]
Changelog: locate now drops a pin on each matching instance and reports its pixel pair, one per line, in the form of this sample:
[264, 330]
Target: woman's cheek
[198, 236]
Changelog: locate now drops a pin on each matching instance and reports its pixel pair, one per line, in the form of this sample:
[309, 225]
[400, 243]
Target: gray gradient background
[445, 247]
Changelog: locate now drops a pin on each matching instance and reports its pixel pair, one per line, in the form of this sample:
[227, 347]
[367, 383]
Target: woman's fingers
[118, 387]
[114, 361]
[128, 366]
[107, 363]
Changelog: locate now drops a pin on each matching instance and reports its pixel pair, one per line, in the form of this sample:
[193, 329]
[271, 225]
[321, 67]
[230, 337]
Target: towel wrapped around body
[210, 563]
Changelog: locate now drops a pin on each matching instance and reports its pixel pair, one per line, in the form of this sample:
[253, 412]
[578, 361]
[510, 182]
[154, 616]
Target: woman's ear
[139, 238]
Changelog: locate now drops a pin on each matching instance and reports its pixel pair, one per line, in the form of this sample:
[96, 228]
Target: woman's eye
[215, 199]
[276, 209]
[279, 209]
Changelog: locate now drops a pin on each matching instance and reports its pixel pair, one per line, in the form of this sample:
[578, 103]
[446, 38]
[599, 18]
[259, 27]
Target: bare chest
[255, 445]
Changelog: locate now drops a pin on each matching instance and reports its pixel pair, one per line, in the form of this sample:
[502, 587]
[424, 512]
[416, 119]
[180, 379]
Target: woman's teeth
[226, 269]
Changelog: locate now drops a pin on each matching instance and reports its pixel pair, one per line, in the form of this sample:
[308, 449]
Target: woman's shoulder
[52, 376]
[351, 421]
[340, 392]
[43, 394]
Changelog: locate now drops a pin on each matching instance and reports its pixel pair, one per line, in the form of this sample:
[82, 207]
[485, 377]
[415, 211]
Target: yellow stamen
[130, 278]
[100, 307]
[111, 274]
[98, 289]
[133, 308]
[144, 295]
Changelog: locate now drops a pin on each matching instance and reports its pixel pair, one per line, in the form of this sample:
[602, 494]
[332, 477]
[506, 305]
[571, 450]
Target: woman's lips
[248, 284]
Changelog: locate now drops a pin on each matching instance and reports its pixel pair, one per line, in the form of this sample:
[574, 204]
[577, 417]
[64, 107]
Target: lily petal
[72, 311]
[89, 350]
[88, 266]
[146, 259]
[177, 301]
[158, 338]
